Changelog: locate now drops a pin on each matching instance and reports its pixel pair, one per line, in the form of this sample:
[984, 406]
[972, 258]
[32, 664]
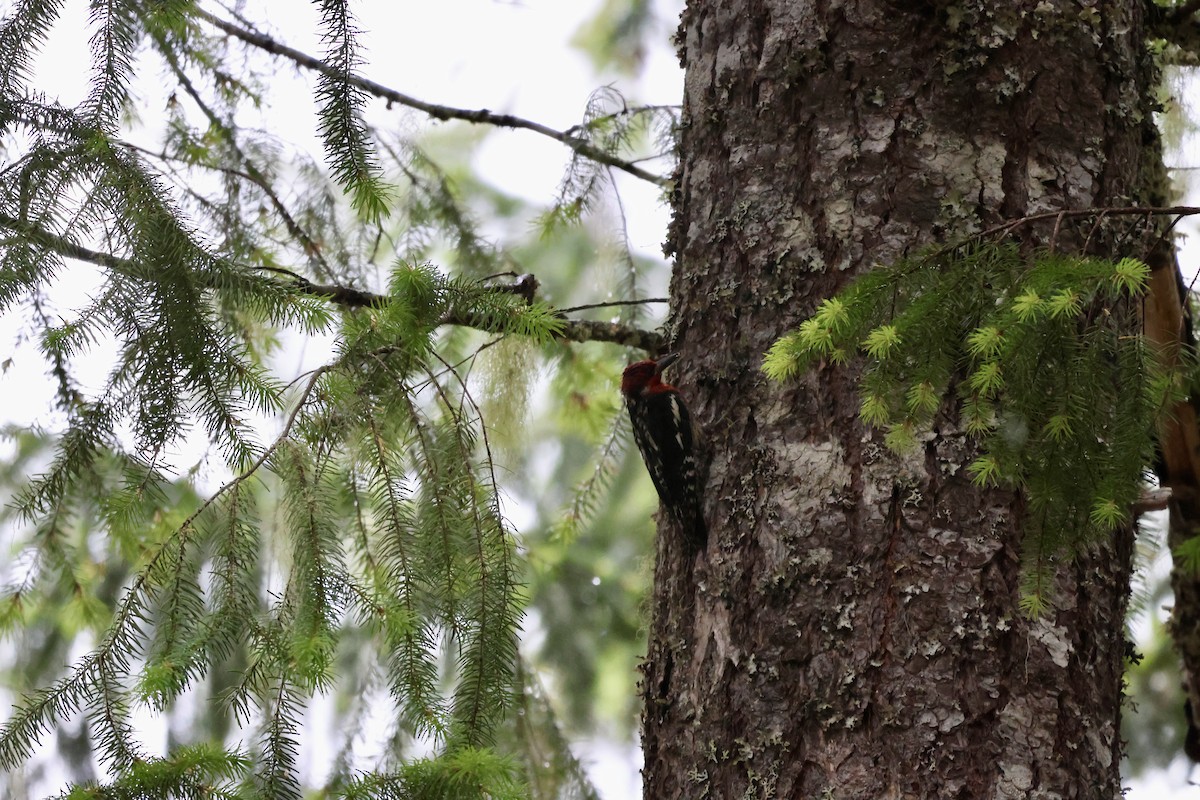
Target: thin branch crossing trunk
[851, 629]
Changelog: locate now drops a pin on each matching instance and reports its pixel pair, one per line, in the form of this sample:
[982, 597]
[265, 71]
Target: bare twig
[524, 286]
[476, 116]
[1009, 226]
[624, 112]
[611, 303]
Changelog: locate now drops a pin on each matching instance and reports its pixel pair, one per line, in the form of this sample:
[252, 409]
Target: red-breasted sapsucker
[666, 436]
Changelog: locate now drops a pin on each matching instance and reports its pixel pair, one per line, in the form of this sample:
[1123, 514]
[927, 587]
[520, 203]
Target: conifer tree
[935, 354]
[344, 532]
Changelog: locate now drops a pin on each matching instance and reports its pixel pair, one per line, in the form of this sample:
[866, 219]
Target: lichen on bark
[851, 629]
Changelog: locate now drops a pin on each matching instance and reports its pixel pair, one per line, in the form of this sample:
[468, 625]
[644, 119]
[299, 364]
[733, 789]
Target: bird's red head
[645, 377]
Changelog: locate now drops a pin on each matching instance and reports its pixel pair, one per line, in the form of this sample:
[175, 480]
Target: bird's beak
[665, 362]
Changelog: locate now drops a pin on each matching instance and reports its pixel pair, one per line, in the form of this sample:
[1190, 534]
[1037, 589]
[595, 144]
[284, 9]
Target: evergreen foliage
[1037, 352]
[360, 549]
[346, 142]
[430, 567]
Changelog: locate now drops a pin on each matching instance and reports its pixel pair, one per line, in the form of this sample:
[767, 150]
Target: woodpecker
[666, 436]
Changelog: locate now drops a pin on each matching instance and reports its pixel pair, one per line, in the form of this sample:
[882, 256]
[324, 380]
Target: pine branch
[409, 645]
[23, 30]
[101, 668]
[266, 454]
[275, 774]
[1040, 340]
[581, 187]
[488, 661]
[252, 172]
[340, 101]
[478, 116]
[572, 330]
[113, 45]
[588, 494]
[316, 590]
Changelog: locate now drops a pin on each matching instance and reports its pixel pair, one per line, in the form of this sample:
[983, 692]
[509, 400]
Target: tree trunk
[851, 629]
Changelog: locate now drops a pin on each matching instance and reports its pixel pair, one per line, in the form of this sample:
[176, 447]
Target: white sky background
[507, 57]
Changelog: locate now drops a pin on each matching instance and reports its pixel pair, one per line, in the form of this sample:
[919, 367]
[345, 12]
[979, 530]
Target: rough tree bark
[851, 629]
